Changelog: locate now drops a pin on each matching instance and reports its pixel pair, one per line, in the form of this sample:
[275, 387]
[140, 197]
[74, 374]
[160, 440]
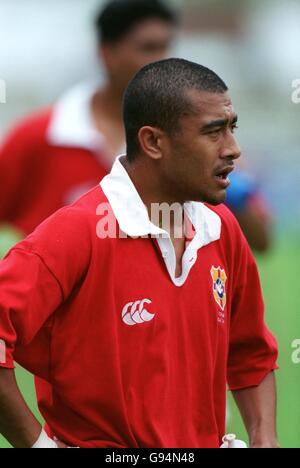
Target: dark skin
[17, 423]
[179, 168]
[257, 406]
[183, 167]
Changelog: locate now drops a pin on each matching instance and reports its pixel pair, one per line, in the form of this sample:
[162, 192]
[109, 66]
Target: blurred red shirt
[50, 159]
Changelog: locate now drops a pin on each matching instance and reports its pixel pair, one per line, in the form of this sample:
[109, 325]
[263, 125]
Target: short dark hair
[119, 17]
[157, 97]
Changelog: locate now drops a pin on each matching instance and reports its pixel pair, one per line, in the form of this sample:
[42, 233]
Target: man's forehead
[210, 106]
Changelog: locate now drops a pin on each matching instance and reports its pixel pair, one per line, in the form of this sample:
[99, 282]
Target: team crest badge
[219, 286]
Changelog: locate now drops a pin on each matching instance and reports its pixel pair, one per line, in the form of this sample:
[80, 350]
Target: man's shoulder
[222, 211]
[71, 225]
[83, 212]
[90, 201]
[86, 211]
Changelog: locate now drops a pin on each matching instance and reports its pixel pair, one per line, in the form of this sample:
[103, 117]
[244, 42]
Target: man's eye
[214, 133]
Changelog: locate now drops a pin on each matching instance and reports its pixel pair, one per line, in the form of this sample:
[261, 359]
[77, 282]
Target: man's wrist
[263, 439]
[265, 444]
[44, 442]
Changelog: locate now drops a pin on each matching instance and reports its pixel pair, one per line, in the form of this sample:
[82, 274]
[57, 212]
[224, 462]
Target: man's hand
[260, 439]
[266, 445]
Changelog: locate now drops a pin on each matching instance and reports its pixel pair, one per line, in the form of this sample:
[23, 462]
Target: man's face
[147, 42]
[199, 157]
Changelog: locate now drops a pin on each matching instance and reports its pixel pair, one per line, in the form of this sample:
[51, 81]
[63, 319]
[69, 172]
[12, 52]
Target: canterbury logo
[135, 313]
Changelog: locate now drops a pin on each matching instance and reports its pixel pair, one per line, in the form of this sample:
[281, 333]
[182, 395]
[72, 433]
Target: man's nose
[232, 149]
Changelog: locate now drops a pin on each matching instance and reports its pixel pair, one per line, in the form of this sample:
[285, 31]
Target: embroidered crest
[219, 286]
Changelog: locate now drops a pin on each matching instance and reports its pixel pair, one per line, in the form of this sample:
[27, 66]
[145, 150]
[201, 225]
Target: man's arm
[257, 406]
[17, 423]
[28, 301]
[253, 350]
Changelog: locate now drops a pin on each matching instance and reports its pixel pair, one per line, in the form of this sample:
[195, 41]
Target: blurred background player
[52, 157]
[247, 202]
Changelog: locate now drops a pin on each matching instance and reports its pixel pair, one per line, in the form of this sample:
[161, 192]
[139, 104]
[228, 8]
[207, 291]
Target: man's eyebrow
[219, 123]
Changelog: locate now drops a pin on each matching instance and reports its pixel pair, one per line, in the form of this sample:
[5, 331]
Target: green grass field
[279, 272]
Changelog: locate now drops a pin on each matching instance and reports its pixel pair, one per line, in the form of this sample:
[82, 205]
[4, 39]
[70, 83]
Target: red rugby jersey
[125, 354]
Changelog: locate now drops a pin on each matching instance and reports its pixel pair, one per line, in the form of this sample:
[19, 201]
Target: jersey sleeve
[253, 350]
[38, 275]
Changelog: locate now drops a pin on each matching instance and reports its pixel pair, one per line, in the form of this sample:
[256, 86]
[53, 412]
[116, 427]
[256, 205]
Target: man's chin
[216, 202]
[213, 200]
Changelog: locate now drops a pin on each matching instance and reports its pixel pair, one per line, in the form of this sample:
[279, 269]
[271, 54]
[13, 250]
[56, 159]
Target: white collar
[133, 217]
[72, 124]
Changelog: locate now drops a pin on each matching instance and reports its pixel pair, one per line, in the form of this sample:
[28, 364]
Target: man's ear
[151, 141]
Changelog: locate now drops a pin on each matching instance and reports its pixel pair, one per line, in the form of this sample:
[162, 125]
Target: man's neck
[153, 193]
[155, 196]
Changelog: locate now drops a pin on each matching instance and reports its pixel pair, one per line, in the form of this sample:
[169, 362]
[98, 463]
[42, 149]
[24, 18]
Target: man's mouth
[222, 176]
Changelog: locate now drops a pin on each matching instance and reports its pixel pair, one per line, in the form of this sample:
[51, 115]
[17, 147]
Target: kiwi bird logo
[219, 286]
[134, 313]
